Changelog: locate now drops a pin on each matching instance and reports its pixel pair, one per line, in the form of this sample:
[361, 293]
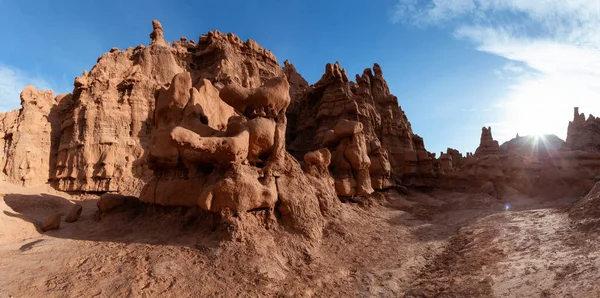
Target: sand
[423, 244]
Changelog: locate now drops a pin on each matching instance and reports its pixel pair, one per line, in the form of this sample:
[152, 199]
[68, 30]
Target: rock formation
[534, 147]
[27, 138]
[102, 133]
[210, 123]
[583, 134]
[74, 213]
[487, 144]
[107, 126]
[238, 168]
[351, 163]
[395, 153]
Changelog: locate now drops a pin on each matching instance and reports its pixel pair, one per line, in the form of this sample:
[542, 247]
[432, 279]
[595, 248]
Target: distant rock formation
[583, 134]
[487, 144]
[536, 147]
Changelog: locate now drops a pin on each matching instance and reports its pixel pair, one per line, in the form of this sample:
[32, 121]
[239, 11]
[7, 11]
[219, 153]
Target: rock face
[238, 168]
[351, 162]
[210, 123]
[105, 135]
[27, 140]
[394, 152]
[97, 138]
[588, 208]
[225, 58]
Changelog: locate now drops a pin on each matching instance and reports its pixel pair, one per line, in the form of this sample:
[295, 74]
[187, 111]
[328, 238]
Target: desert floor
[420, 244]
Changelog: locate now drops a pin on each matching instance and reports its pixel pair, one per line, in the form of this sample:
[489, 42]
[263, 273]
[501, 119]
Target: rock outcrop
[534, 147]
[395, 153]
[211, 122]
[101, 137]
[487, 144]
[27, 138]
[239, 168]
[583, 134]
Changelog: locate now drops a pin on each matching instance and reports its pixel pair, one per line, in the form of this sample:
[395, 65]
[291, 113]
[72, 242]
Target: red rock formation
[106, 137]
[27, 138]
[244, 166]
[391, 146]
[225, 58]
[218, 93]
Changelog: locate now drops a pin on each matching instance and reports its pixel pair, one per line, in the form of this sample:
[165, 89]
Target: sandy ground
[424, 244]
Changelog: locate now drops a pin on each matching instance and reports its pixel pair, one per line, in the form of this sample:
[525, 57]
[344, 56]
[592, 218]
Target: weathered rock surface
[589, 206]
[27, 138]
[179, 116]
[102, 133]
[488, 188]
[238, 168]
[387, 140]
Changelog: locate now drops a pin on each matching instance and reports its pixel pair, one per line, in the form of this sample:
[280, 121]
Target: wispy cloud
[12, 82]
[553, 47]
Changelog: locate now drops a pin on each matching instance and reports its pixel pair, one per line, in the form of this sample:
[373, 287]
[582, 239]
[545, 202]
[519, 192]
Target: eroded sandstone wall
[396, 154]
[27, 140]
[100, 140]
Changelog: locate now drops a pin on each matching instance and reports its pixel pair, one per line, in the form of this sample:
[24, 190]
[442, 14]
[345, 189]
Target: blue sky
[455, 65]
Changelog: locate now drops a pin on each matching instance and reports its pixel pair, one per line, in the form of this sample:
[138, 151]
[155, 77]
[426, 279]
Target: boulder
[110, 201]
[52, 223]
[74, 213]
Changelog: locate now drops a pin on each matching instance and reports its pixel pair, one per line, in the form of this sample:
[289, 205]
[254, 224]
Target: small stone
[52, 223]
[74, 214]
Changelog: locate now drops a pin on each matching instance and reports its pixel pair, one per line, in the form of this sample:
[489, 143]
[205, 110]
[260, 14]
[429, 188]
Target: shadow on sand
[179, 226]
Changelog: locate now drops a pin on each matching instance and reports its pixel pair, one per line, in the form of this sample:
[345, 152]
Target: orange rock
[74, 213]
[52, 223]
[110, 201]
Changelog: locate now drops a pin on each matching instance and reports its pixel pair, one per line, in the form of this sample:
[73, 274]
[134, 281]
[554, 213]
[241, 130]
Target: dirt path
[419, 245]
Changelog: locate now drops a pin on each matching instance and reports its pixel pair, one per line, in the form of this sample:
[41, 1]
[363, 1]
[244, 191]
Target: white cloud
[12, 82]
[553, 47]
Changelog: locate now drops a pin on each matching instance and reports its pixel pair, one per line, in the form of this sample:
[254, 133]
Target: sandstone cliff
[27, 138]
[395, 154]
[101, 140]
